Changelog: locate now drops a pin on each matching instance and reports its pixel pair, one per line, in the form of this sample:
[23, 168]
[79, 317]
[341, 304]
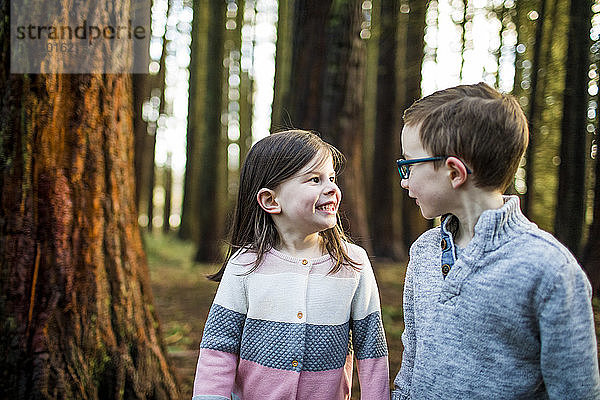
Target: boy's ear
[267, 201]
[458, 172]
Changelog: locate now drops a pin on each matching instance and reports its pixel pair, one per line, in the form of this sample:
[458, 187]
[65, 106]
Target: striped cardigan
[283, 331]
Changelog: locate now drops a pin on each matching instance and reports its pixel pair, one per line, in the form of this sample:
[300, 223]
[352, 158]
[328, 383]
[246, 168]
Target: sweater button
[294, 363]
[444, 244]
[445, 269]
[300, 315]
[304, 262]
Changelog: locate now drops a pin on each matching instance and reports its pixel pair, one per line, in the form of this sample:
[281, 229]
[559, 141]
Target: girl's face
[309, 200]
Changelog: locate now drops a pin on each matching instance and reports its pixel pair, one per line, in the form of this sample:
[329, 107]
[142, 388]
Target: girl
[292, 287]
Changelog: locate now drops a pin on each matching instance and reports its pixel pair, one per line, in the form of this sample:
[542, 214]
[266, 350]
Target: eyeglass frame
[403, 164]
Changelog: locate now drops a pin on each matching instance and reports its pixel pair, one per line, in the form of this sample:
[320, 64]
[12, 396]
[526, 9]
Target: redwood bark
[76, 313]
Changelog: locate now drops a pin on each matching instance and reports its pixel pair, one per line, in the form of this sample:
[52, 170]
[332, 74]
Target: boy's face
[431, 188]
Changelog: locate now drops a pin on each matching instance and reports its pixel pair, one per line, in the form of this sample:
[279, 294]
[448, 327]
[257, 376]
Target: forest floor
[183, 295]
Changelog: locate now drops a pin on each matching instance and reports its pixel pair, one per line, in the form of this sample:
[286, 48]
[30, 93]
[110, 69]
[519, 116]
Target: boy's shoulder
[428, 242]
[538, 248]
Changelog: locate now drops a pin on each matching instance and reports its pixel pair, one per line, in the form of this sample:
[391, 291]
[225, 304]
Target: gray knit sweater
[509, 317]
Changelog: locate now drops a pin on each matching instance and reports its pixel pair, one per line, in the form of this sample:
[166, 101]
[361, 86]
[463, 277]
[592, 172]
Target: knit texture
[512, 319]
[287, 330]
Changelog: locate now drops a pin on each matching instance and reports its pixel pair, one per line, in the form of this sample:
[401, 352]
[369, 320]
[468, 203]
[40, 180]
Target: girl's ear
[267, 201]
[458, 172]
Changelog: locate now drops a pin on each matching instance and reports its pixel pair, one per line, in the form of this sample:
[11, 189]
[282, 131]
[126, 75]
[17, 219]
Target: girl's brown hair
[271, 161]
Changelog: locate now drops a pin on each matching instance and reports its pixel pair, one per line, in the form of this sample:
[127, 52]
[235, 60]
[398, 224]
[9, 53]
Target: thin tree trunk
[570, 210]
[212, 152]
[533, 111]
[386, 241]
[246, 95]
[76, 313]
[591, 253]
[412, 221]
[168, 183]
[189, 210]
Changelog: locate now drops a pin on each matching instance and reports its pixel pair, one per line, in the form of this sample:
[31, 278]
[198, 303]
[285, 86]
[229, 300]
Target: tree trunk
[168, 184]
[591, 253]
[77, 319]
[570, 204]
[385, 233]
[309, 63]
[283, 66]
[246, 95]
[342, 110]
[212, 150]
[197, 92]
[413, 222]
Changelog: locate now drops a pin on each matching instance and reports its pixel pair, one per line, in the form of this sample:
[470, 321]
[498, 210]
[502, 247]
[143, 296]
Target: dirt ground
[183, 295]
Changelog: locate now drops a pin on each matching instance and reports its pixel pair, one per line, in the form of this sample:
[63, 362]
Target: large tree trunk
[309, 63]
[342, 110]
[570, 204]
[384, 227]
[76, 314]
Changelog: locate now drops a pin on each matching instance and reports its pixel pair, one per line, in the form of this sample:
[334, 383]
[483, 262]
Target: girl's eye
[315, 179]
[332, 178]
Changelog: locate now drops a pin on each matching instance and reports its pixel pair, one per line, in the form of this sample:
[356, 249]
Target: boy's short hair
[484, 128]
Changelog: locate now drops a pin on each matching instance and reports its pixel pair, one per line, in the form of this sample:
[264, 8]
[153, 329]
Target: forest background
[83, 174]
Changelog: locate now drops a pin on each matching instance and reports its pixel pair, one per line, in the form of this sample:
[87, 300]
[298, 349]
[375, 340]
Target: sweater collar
[494, 227]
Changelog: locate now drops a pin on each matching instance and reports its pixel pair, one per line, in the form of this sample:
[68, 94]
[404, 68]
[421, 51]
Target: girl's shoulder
[357, 254]
[242, 259]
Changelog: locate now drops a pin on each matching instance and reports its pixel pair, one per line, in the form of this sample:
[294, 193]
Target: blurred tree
[324, 90]
[533, 110]
[545, 79]
[188, 228]
[211, 149]
[157, 91]
[409, 80]
[76, 313]
[570, 202]
[591, 252]
[283, 65]
[385, 217]
[342, 108]
[167, 171]
[144, 86]
[246, 82]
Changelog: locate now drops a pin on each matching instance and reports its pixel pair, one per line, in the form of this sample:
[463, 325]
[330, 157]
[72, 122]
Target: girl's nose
[332, 188]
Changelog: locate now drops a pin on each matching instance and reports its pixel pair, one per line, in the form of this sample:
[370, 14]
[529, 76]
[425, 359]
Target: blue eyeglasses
[404, 165]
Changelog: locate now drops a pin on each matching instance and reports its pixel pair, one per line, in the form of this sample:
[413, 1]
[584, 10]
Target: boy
[494, 307]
